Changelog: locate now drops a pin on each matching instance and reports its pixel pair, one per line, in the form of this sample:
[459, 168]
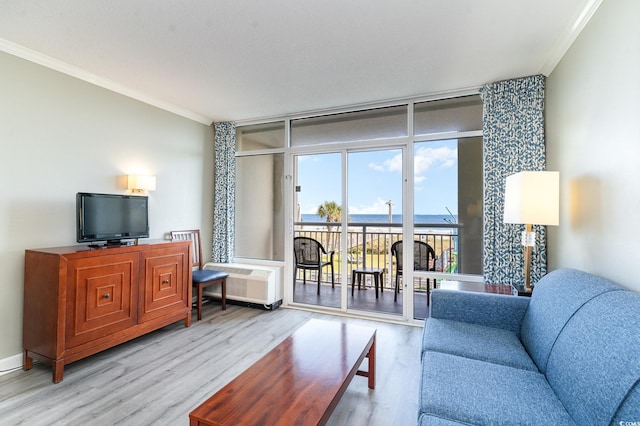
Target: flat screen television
[111, 217]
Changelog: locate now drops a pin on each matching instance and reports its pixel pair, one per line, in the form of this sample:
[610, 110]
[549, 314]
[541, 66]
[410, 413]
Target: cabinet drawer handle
[165, 282]
[106, 295]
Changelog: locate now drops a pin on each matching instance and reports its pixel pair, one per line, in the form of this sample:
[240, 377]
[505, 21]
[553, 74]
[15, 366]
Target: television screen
[111, 217]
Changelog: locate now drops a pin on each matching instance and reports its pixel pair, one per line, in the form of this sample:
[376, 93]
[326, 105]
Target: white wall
[593, 139]
[60, 135]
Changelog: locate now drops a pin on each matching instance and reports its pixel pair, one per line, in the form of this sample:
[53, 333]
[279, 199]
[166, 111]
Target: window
[448, 202]
[260, 136]
[370, 149]
[380, 123]
[448, 115]
[448, 180]
[260, 220]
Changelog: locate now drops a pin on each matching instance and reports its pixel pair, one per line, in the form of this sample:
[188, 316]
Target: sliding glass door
[317, 230]
[374, 225]
[356, 269]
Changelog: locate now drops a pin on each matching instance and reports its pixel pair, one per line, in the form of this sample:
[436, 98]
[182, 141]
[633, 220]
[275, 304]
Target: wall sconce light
[531, 198]
[141, 183]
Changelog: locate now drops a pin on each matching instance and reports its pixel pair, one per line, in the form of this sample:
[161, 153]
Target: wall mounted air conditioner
[250, 284]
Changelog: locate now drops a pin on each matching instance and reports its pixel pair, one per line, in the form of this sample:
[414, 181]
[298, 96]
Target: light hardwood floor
[159, 378]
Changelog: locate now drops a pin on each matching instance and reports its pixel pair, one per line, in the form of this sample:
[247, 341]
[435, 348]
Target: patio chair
[308, 256]
[424, 259]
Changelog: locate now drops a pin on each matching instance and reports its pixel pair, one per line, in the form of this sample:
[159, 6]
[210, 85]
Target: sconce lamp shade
[532, 198]
[140, 183]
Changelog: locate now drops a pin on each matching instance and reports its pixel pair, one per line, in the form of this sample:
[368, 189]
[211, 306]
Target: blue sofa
[568, 355]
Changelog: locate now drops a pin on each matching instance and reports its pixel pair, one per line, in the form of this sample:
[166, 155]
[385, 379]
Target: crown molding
[561, 48]
[73, 71]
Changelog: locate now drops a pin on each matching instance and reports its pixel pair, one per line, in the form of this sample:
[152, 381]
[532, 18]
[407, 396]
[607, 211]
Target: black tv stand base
[114, 243]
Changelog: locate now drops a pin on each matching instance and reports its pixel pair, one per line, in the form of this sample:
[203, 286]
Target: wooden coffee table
[299, 382]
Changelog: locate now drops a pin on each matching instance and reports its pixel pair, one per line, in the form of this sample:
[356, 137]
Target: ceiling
[219, 60]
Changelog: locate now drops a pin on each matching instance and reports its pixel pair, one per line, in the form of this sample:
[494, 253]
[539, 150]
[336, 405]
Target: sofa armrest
[488, 309]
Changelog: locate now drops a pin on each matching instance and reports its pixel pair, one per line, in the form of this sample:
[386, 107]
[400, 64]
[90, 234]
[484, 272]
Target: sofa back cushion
[594, 365]
[556, 297]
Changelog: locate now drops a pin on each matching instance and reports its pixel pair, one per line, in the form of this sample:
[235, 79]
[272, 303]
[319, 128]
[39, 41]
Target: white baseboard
[11, 363]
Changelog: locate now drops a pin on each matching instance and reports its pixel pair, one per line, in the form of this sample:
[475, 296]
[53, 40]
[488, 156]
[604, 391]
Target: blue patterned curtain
[224, 192]
[513, 131]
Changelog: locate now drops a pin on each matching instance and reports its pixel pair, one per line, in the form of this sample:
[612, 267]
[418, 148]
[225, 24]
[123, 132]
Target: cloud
[394, 164]
[425, 158]
[378, 207]
[376, 167]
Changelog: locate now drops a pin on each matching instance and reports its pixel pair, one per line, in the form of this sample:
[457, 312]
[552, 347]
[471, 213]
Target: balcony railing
[369, 245]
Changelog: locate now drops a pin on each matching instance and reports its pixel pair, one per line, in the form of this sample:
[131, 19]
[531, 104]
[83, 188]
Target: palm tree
[333, 212]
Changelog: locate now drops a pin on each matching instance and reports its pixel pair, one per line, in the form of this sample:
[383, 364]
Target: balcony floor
[362, 300]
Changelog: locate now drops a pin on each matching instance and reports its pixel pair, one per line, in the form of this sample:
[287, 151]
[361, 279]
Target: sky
[375, 177]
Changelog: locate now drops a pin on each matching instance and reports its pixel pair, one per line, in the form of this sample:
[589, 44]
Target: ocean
[384, 218]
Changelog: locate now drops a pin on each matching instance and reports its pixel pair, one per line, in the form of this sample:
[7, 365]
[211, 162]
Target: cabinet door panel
[101, 297]
[165, 284]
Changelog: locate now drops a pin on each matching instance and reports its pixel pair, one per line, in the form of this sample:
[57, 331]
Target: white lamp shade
[141, 182]
[532, 198]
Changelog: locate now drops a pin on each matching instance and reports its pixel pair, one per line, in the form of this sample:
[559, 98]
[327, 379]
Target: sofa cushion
[556, 297]
[594, 365]
[469, 391]
[488, 309]
[475, 341]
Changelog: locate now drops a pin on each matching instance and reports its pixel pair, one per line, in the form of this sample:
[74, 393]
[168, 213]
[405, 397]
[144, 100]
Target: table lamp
[531, 198]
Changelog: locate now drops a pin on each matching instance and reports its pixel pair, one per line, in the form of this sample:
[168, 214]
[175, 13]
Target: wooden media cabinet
[80, 300]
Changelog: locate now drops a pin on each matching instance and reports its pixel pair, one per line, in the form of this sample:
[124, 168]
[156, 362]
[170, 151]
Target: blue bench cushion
[594, 366]
[475, 341]
[469, 391]
[207, 275]
[556, 297]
